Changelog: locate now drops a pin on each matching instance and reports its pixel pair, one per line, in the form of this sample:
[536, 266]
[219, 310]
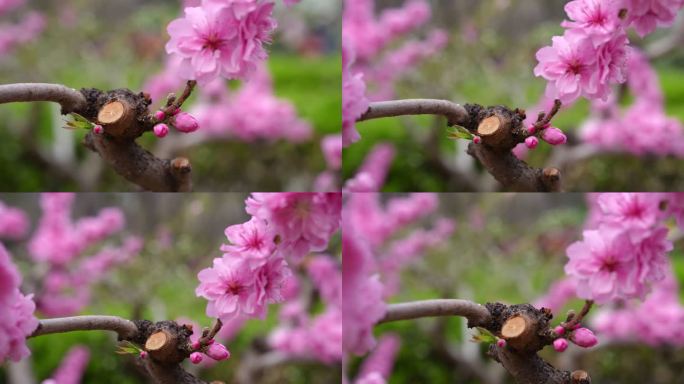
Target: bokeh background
[489, 60]
[508, 248]
[120, 44]
[182, 234]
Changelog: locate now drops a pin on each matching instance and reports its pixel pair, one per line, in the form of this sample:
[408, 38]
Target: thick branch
[69, 98]
[513, 173]
[124, 328]
[163, 362]
[455, 113]
[525, 328]
[475, 313]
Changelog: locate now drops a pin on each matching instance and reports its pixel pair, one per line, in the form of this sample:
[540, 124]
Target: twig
[575, 319]
[455, 113]
[124, 328]
[69, 98]
[475, 313]
[174, 103]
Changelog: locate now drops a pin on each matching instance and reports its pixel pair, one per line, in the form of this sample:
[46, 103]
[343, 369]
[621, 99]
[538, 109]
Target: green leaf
[459, 133]
[78, 122]
[484, 336]
[128, 348]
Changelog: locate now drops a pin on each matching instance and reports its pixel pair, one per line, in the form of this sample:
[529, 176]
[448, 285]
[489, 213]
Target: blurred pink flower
[14, 223]
[72, 368]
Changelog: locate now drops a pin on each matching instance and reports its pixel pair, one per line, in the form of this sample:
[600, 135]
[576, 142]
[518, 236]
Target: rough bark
[526, 329]
[500, 130]
[125, 117]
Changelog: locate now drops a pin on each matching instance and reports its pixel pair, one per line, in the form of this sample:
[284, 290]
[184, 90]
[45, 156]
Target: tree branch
[70, 99]
[475, 313]
[454, 113]
[500, 130]
[126, 329]
[125, 117]
[166, 342]
[526, 329]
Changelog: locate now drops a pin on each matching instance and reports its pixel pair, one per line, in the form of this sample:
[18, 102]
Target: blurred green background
[489, 60]
[120, 44]
[182, 235]
[508, 248]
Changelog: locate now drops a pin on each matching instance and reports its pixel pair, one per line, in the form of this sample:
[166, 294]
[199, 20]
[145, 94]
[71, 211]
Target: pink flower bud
[546, 125]
[161, 130]
[531, 129]
[176, 111]
[210, 341]
[554, 136]
[531, 142]
[583, 337]
[97, 129]
[196, 357]
[159, 115]
[560, 345]
[185, 122]
[477, 139]
[218, 352]
[195, 345]
[143, 354]
[559, 330]
[501, 343]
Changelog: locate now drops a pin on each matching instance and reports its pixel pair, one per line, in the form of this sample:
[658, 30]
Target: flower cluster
[625, 252]
[643, 127]
[221, 38]
[223, 114]
[14, 224]
[591, 55]
[16, 312]
[61, 245]
[253, 270]
[656, 321]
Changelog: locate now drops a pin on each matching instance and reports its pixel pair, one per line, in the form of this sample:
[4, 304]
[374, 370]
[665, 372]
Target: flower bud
[501, 343]
[532, 129]
[554, 136]
[159, 115]
[583, 337]
[143, 354]
[195, 345]
[477, 139]
[161, 130]
[185, 122]
[560, 345]
[97, 129]
[531, 142]
[218, 352]
[196, 357]
[559, 330]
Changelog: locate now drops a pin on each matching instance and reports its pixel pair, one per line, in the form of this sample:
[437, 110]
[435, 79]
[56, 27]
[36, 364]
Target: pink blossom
[235, 288]
[371, 176]
[185, 122]
[73, 366]
[354, 101]
[646, 15]
[252, 240]
[596, 18]
[221, 38]
[218, 352]
[304, 221]
[560, 345]
[569, 66]
[637, 210]
[161, 130]
[583, 337]
[14, 223]
[553, 136]
[531, 142]
[196, 357]
[332, 151]
[381, 359]
[559, 293]
[17, 321]
[326, 275]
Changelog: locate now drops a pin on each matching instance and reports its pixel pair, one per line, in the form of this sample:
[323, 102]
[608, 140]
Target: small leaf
[78, 122]
[484, 336]
[459, 133]
[128, 348]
